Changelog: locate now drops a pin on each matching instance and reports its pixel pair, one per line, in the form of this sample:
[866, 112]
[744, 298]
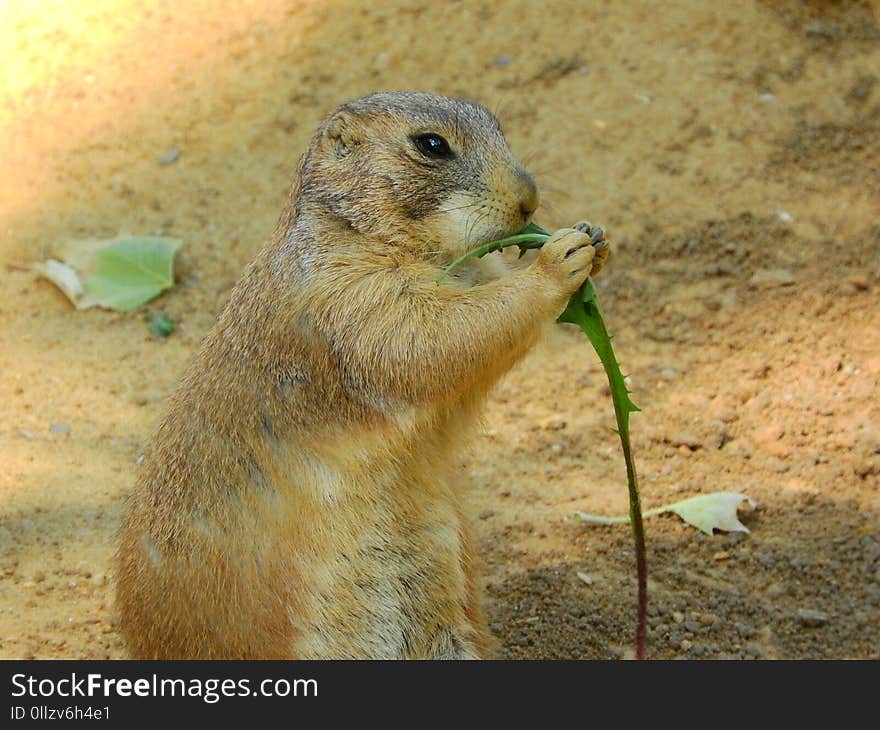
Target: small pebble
[811, 618]
[59, 428]
[820, 29]
[586, 578]
[768, 278]
[771, 432]
[170, 156]
[778, 465]
[686, 439]
[868, 466]
[553, 423]
[859, 282]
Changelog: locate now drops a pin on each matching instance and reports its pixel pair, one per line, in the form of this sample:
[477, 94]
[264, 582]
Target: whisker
[499, 107]
[553, 168]
[467, 227]
[459, 207]
[553, 188]
[472, 224]
[529, 156]
[550, 208]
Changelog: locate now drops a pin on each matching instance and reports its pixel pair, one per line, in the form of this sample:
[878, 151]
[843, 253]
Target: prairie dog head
[427, 172]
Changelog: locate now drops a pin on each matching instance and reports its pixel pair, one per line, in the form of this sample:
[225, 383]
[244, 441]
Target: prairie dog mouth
[466, 222]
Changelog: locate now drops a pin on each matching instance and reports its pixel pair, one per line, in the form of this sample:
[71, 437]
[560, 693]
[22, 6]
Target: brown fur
[301, 497]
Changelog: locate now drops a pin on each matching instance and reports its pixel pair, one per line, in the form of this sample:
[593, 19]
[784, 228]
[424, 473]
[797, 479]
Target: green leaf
[119, 273]
[131, 271]
[533, 227]
[706, 512]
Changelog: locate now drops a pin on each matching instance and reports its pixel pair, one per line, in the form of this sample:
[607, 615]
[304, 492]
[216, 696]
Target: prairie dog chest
[394, 580]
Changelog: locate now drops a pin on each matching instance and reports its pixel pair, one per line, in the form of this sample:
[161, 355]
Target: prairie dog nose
[529, 199]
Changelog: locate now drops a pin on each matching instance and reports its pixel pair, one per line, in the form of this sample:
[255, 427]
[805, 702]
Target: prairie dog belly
[388, 586]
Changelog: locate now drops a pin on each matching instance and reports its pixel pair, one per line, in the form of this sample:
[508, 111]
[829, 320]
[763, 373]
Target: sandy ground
[731, 150]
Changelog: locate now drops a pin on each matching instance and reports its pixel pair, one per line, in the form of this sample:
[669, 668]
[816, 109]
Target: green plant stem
[583, 310]
[525, 241]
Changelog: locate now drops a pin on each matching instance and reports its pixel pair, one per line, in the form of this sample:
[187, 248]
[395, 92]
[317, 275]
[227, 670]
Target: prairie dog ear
[342, 133]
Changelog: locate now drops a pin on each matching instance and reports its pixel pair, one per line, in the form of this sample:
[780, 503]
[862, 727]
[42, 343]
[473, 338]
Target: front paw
[599, 242]
[566, 259]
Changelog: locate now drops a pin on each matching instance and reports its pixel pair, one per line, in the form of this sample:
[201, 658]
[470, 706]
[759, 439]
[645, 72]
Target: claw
[597, 235]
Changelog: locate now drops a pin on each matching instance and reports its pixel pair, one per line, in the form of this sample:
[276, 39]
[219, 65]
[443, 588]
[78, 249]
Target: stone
[811, 618]
[771, 278]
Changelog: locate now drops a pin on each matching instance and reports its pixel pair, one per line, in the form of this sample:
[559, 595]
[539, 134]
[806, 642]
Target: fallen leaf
[64, 277]
[602, 520]
[707, 512]
[131, 272]
[121, 273]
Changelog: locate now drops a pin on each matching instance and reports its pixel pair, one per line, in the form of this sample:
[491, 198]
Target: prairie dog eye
[433, 145]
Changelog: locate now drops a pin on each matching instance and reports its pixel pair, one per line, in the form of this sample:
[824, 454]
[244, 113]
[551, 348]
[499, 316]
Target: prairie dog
[301, 497]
